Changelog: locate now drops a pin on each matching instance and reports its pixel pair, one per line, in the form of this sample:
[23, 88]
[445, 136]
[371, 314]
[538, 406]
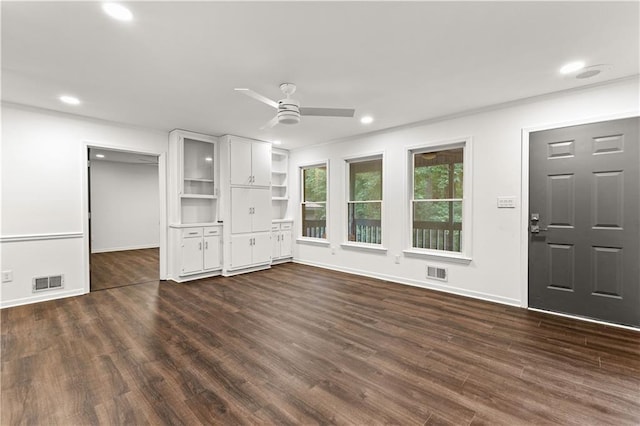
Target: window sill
[445, 256]
[364, 247]
[313, 241]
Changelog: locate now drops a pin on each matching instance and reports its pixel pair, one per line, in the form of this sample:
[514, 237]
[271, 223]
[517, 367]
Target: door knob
[534, 226]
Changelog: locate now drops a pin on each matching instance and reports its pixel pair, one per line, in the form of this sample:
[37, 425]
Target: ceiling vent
[48, 283]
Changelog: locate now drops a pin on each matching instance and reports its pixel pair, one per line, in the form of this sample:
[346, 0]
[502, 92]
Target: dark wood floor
[301, 345]
[122, 268]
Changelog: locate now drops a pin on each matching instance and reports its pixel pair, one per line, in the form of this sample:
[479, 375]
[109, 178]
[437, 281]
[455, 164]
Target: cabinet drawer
[286, 225]
[191, 232]
[275, 226]
[214, 230]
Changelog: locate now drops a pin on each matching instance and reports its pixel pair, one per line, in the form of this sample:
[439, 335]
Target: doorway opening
[124, 218]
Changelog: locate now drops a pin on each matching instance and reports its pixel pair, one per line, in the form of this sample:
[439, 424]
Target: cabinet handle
[206, 245]
[200, 246]
[193, 233]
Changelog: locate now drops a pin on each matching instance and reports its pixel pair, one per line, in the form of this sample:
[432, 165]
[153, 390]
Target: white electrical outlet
[397, 258]
[333, 250]
[7, 276]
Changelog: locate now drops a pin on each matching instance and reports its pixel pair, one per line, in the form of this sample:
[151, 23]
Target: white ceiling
[177, 63]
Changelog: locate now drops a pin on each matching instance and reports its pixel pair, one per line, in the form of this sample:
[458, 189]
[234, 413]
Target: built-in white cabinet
[246, 204]
[250, 207]
[281, 241]
[200, 250]
[228, 205]
[193, 178]
[249, 250]
[250, 162]
[194, 248]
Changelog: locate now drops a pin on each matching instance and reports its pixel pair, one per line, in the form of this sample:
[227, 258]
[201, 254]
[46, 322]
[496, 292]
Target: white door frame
[524, 202]
[162, 186]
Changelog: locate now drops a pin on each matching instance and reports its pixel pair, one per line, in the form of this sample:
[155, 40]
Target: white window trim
[345, 197]
[465, 255]
[301, 238]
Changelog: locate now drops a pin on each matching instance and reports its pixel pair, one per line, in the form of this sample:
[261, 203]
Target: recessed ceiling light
[208, 159]
[117, 11]
[367, 119]
[71, 100]
[572, 67]
[276, 142]
[99, 155]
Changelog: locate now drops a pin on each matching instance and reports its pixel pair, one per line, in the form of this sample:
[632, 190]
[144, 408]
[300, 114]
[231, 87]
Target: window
[364, 202]
[437, 202]
[314, 201]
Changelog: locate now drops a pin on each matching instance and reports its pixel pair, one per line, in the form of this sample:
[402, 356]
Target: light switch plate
[506, 202]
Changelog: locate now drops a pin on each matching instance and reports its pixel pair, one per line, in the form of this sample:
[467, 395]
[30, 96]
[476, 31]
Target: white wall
[496, 272]
[43, 194]
[125, 206]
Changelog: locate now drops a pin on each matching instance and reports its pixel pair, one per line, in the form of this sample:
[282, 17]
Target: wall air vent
[437, 273]
[48, 283]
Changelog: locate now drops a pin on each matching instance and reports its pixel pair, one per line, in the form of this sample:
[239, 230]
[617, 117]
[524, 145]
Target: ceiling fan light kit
[289, 110]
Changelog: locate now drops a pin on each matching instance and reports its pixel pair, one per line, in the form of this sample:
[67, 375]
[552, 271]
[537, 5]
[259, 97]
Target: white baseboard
[197, 276]
[50, 295]
[415, 283]
[106, 250]
[230, 273]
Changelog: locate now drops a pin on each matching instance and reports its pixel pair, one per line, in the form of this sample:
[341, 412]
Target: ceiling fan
[289, 110]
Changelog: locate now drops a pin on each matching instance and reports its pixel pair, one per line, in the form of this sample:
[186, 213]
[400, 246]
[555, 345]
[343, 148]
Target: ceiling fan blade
[271, 123]
[258, 97]
[328, 112]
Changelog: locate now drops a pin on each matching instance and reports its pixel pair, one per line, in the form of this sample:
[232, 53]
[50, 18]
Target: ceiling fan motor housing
[288, 111]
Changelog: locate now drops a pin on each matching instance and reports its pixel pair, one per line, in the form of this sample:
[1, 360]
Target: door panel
[261, 164]
[241, 209]
[585, 187]
[191, 255]
[285, 243]
[261, 202]
[211, 252]
[275, 244]
[241, 250]
[240, 152]
[262, 248]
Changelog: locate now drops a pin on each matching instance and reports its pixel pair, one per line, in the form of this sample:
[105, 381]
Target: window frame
[301, 169]
[465, 254]
[347, 195]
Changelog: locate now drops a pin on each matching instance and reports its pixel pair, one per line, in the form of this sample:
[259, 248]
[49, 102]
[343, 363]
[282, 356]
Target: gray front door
[584, 214]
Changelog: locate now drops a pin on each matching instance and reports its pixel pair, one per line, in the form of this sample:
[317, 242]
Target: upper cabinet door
[240, 162]
[198, 167]
[261, 162]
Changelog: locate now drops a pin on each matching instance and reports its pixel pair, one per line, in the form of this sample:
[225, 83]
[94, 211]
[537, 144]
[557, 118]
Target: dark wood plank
[126, 267]
[301, 345]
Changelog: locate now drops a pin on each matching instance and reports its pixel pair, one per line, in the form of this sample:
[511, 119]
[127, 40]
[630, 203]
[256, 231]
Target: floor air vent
[48, 283]
[437, 273]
